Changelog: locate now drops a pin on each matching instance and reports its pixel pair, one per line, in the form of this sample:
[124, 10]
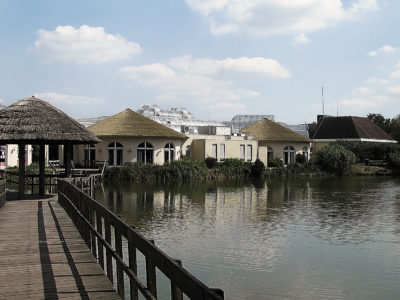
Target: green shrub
[394, 160]
[233, 167]
[336, 159]
[211, 162]
[300, 158]
[182, 170]
[369, 150]
[275, 162]
[257, 169]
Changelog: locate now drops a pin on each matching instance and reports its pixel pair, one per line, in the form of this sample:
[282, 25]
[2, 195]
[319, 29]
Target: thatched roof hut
[130, 123]
[267, 130]
[34, 121]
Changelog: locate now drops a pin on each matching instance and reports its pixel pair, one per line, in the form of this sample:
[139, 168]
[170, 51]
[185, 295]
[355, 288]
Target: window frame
[147, 148]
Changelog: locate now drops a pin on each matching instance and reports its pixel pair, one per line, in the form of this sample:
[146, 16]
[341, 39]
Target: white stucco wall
[130, 145]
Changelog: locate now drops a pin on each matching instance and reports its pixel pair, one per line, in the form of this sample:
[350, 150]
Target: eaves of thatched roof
[267, 130]
[130, 123]
[32, 121]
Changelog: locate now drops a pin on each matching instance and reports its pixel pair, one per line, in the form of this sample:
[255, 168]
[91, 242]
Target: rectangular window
[249, 152]
[214, 151]
[110, 157]
[222, 151]
[120, 161]
[242, 149]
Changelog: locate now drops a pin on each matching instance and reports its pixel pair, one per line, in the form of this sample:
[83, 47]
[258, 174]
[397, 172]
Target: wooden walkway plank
[42, 255]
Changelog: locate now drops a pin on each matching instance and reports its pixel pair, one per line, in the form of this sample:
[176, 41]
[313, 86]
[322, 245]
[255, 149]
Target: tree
[395, 128]
[391, 126]
[380, 120]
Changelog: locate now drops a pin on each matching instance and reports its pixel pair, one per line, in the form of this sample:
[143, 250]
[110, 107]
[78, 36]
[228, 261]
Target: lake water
[309, 238]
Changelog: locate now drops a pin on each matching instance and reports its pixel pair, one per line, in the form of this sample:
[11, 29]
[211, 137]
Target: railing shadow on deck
[96, 224]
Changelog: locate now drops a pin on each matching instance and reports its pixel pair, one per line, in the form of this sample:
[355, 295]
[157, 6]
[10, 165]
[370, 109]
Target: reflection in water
[330, 238]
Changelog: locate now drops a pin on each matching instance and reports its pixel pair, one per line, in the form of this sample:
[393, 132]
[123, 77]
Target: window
[89, 155]
[214, 151]
[249, 152]
[288, 155]
[270, 153]
[242, 149]
[145, 153]
[115, 154]
[222, 151]
[305, 152]
[169, 152]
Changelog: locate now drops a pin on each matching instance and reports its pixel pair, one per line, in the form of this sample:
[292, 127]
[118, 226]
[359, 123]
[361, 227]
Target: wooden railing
[2, 192]
[32, 181]
[106, 235]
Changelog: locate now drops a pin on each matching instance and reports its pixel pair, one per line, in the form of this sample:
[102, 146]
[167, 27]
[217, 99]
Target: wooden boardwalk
[42, 255]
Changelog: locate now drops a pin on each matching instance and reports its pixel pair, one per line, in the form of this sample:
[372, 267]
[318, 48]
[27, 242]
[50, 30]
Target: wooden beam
[67, 163]
[42, 161]
[21, 171]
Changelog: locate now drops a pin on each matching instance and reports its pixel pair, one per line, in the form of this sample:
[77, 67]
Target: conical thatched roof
[32, 120]
[130, 123]
[266, 130]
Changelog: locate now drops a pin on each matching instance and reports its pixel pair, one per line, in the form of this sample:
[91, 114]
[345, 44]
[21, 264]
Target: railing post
[109, 268]
[219, 292]
[176, 293]
[132, 264]
[99, 228]
[151, 275]
[93, 236]
[120, 274]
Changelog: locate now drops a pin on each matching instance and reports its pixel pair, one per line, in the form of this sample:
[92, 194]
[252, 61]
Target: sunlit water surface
[314, 238]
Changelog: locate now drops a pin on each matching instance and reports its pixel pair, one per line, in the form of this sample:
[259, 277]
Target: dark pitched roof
[130, 123]
[32, 120]
[349, 128]
[267, 130]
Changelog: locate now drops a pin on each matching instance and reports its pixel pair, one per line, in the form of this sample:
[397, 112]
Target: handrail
[96, 223]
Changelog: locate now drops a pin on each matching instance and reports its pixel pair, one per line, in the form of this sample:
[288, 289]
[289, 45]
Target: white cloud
[254, 65]
[386, 49]
[84, 45]
[395, 74]
[204, 81]
[362, 90]
[267, 17]
[394, 89]
[358, 103]
[2, 102]
[301, 39]
[57, 98]
[379, 81]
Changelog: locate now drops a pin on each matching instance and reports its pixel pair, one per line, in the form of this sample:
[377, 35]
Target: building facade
[277, 141]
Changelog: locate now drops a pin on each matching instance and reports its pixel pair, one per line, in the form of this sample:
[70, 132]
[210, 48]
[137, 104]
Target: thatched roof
[32, 120]
[349, 127]
[130, 123]
[266, 130]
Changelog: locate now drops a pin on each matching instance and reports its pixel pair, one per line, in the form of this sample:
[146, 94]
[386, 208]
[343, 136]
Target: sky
[216, 58]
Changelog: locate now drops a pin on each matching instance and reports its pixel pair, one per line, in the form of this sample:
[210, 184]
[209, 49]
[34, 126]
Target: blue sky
[217, 58]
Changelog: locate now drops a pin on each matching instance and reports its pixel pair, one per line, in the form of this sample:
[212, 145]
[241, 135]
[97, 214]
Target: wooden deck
[42, 255]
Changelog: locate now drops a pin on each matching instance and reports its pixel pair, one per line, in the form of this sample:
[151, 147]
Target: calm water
[318, 238]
